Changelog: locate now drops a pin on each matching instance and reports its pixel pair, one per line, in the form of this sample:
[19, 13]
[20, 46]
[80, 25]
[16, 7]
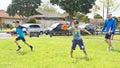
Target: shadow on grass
[84, 58]
[116, 50]
[78, 59]
[24, 53]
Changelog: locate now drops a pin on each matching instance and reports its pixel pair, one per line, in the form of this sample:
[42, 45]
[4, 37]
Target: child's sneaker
[86, 56]
[18, 50]
[70, 56]
[31, 47]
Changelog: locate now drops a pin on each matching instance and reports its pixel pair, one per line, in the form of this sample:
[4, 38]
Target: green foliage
[32, 20]
[71, 6]
[23, 7]
[81, 17]
[97, 16]
[47, 7]
[119, 27]
[116, 21]
[8, 26]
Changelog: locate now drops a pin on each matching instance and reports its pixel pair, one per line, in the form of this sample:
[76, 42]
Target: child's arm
[86, 31]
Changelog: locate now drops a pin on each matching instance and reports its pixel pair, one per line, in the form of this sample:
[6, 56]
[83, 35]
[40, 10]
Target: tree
[110, 5]
[71, 6]
[97, 16]
[116, 18]
[81, 17]
[47, 7]
[32, 20]
[95, 9]
[23, 7]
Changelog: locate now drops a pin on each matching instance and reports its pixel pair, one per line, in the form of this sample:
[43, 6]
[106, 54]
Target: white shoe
[86, 56]
[70, 56]
[111, 47]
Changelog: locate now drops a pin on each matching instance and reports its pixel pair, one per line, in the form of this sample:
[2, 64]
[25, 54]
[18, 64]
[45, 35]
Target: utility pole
[108, 4]
[103, 11]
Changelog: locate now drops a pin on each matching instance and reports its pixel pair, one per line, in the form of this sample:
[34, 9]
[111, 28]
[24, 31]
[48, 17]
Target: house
[6, 19]
[96, 21]
[47, 18]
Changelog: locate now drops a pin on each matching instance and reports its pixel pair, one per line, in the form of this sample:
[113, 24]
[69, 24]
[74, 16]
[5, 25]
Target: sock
[19, 47]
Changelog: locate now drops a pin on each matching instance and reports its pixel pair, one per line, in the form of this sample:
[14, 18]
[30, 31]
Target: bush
[32, 20]
[8, 26]
[119, 26]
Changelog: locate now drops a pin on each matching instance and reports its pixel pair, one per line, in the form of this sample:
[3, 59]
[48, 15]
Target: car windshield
[53, 25]
[34, 26]
[26, 25]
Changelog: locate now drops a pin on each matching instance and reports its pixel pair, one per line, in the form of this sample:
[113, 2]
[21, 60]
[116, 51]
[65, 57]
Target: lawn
[54, 53]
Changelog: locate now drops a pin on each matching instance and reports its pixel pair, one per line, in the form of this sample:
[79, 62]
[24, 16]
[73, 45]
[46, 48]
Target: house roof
[4, 14]
[49, 14]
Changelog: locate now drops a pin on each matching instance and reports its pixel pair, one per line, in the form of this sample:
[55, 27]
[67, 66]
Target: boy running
[21, 36]
[77, 40]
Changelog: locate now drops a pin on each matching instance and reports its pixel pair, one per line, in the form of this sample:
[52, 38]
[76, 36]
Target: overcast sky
[5, 3]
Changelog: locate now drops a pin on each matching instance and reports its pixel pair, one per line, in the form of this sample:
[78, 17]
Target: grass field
[54, 53]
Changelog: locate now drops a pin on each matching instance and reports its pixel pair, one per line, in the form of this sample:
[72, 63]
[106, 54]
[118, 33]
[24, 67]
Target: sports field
[54, 53]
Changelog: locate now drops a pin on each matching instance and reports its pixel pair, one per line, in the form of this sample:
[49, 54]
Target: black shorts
[107, 36]
[20, 38]
[78, 42]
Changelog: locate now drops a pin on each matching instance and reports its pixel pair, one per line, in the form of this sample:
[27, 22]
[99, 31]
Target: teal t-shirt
[19, 31]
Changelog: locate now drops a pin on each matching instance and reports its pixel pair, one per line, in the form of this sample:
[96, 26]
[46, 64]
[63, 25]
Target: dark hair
[16, 22]
[76, 22]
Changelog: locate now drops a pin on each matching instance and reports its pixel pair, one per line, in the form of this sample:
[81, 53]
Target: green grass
[54, 53]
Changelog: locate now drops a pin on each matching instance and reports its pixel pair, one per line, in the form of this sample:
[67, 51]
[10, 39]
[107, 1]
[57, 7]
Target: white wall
[10, 21]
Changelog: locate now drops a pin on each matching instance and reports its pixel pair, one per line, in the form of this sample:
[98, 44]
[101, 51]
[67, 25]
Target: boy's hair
[16, 22]
[76, 22]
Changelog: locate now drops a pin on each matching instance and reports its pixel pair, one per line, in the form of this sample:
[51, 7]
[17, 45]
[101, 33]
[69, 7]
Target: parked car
[33, 29]
[12, 31]
[91, 28]
[55, 30]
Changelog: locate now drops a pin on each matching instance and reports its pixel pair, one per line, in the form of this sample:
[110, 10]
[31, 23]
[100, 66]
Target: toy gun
[64, 26]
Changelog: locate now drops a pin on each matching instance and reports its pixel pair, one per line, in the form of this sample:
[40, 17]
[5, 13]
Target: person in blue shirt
[21, 36]
[77, 39]
[110, 27]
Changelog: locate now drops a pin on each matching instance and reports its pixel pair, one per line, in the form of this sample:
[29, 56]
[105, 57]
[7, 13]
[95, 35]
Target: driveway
[4, 35]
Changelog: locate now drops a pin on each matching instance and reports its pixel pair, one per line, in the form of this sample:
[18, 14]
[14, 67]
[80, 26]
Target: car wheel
[41, 33]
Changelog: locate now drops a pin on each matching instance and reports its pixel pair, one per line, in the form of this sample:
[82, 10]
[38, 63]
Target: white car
[33, 29]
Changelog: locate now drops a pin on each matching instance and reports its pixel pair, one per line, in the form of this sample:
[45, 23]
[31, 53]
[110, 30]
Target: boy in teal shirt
[21, 36]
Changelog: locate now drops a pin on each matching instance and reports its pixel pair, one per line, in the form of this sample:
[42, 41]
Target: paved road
[4, 35]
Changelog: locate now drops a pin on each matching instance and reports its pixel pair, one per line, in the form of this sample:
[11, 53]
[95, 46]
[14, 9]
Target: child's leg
[26, 43]
[82, 47]
[31, 47]
[74, 43]
[71, 53]
[85, 51]
[16, 43]
[18, 38]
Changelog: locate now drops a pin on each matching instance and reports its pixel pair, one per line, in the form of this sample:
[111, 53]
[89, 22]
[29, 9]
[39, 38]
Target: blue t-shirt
[76, 32]
[20, 32]
[109, 25]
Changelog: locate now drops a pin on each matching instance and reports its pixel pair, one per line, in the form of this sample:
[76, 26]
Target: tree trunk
[71, 19]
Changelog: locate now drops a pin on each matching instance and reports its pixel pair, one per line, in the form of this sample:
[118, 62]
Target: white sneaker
[86, 56]
[111, 47]
[70, 56]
